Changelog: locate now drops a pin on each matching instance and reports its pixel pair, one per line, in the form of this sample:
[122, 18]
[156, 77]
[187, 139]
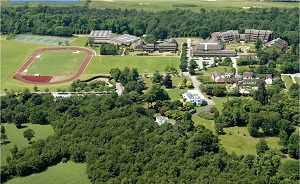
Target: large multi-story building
[99, 36]
[209, 49]
[226, 36]
[253, 35]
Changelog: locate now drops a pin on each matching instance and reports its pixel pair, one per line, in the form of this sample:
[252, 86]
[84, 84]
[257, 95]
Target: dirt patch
[59, 78]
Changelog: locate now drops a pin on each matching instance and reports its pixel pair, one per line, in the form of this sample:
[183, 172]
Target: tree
[189, 84]
[219, 128]
[293, 146]
[219, 90]
[28, 134]
[157, 78]
[261, 146]
[193, 65]
[168, 81]
[67, 42]
[294, 90]
[35, 88]
[261, 94]
[258, 44]
[3, 135]
[59, 43]
[115, 73]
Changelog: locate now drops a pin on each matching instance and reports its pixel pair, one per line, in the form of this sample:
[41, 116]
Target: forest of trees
[121, 143]
[65, 21]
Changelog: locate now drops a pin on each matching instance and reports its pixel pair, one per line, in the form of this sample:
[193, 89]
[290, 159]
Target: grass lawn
[11, 62]
[79, 41]
[145, 64]
[220, 69]
[241, 142]
[205, 78]
[297, 80]
[57, 63]
[70, 172]
[15, 136]
[209, 124]
[288, 81]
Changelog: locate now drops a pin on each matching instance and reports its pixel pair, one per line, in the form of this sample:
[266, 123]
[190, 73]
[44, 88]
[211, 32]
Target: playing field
[57, 63]
[145, 64]
[51, 40]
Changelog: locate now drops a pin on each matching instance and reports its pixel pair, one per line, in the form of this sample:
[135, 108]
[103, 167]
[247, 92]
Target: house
[193, 96]
[247, 75]
[228, 74]
[161, 120]
[267, 77]
[251, 81]
[215, 76]
[226, 80]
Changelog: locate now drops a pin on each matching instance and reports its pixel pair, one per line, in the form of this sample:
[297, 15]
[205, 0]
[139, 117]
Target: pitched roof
[215, 74]
[248, 74]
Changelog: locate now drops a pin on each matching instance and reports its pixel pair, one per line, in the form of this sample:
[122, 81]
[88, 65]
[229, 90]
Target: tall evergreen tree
[168, 81]
[261, 94]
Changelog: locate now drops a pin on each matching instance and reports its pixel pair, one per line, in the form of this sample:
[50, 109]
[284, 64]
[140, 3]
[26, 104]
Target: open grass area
[288, 81]
[57, 63]
[11, 62]
[220, 69]
[175, 93]
[15, 136]
[297, 80]
[79, 40]
[157, 5]
[145, 64]
[241, 142]
[209, 124]
[70, 172]
[205, 78]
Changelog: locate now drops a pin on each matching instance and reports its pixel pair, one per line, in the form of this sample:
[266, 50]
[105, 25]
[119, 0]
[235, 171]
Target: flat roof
[125, 39]
[100, 34]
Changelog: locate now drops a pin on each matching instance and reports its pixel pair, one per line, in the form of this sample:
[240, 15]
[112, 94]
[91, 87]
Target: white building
[193, 96]
[161, 120]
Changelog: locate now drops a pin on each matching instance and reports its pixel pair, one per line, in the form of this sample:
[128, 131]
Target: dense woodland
[65, 21]
[121, 143]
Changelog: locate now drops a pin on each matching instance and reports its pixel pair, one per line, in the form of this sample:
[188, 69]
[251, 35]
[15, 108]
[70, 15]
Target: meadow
[144, 64]
[288, 81]
[57, 63]
[157, 5]
[70, 172]
[15, 136]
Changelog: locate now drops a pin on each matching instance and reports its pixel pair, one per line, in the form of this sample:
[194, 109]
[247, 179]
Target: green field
[220, 69]
[11, 62]
[15, 136]
[145, 64]
[157, 5]
[62, 173]
[288, 81]
[57, 63]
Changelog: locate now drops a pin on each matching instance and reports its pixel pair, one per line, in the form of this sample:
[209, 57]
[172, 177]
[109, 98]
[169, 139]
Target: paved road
[119, 88]
[234, 63]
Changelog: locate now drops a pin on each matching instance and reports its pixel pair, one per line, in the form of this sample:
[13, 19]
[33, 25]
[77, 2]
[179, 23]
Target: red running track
[31, 79]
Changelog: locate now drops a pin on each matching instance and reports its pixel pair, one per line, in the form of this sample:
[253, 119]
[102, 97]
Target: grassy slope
[288, 81]
[15, 136]
[70, 172]
[57, 63]
[145, 64]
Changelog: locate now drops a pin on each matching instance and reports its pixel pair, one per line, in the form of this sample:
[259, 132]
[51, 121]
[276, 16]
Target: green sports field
[57, 63]
[145, 64]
